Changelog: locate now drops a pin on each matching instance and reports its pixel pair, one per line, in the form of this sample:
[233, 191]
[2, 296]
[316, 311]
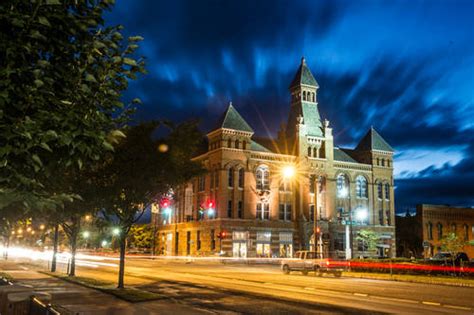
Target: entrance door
[239, 249]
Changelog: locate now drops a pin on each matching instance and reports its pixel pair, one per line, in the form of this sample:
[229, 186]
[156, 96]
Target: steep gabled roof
[340, 155]
[304, 76]
[255, 146]
[232, 120]
[373, 141]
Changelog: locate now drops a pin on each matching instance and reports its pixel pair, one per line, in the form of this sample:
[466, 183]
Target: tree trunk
[5, 251]
[55, 247]
[122, 261]
[72, 267]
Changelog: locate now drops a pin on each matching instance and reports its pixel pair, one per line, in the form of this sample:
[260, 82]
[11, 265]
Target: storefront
[263, 244]
[286, 244]
[239, 244]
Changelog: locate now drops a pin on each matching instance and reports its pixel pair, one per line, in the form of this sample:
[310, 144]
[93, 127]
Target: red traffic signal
[164, 203]
[221, 235]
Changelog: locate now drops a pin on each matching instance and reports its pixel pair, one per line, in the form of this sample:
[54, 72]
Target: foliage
[140, 171]
[452, 244]
[140, 236]
[369, 237]
[62, 73]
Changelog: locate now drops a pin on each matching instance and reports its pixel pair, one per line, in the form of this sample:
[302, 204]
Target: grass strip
[131, 294]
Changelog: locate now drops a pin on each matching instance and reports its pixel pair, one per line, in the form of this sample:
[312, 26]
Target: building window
[263, 211]
[304, 95]
[430, 230]
[285, 186]
[453, 228]
[383, 162]
[388, 163]
[202, 183]
[240, 210]
[309, 151]
[378, 161]
[342, 184]
[312, 184]
[440, 231]
[285, 212]
[198, 240]
[311, 212]
[361, 187]
[230, 177]
[229, 143]
[340, 214]
[379, 191]
[237, 144]
[381, 220]
[216, 181]
[387, 191]
[211, 175]
[388, 217]
[263, 180]
[466, 232]
[244, 145]
[241, 177]
[229, 209]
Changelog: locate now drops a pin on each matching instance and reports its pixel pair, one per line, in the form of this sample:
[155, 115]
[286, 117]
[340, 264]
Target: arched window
[388, 163]
[304, 95]
[241, 177]
[361, 187]
[383, 162]
[244, 145]
[342, 184]
[309, 151]
[230, 177]
[378, 161]
[430, 230]
[229, 143]
[237, 143]
[440, 231]
[263, 178]
[314, 99]
[315, 152]
[387, 191]
[379, 191]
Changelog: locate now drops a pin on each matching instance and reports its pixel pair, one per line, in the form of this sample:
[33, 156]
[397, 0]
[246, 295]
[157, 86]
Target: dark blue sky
[405, 67]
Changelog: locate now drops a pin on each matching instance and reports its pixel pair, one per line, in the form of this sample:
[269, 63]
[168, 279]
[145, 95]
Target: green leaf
[36, 159]
[45, 146]
[79, 163]
[129, 61]
[135, 38]
[108, 146]
[90, 78]
[66, 102]
[38, 83]
[136, 101]
[53, 2]
[44, 21]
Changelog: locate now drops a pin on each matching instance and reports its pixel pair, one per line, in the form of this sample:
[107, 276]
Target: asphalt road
[263, 289]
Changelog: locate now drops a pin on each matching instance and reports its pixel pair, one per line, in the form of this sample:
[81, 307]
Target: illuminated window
[361, 187]
[285, 212]
[263, 211]
[262, 176]
[342, 184]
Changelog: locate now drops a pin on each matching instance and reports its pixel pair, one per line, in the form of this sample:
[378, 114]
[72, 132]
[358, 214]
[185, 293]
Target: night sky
[407, 68]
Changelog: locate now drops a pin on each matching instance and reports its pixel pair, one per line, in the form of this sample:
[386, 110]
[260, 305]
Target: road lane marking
[360, 294]
[431, 303]
[394, 299]
[458, 307]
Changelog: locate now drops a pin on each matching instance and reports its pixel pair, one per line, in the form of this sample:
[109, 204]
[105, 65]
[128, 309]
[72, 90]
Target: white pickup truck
[308, 261]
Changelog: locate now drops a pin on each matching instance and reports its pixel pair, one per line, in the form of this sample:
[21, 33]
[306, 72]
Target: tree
[369, 238]
[140, 236]
[142, 169]
[10, 218]
[62, 74]
[452, 244]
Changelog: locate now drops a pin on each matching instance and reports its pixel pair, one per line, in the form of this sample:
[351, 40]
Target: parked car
[308, 261]
[446, 259]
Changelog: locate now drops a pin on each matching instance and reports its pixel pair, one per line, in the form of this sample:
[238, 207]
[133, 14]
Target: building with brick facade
[421, 234]
[268, 197]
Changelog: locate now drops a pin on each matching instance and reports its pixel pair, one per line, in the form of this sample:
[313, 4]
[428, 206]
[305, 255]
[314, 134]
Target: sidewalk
[79, 300]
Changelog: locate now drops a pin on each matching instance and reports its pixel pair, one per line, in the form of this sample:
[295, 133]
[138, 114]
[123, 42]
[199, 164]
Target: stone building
[268, 197]
[421, 234]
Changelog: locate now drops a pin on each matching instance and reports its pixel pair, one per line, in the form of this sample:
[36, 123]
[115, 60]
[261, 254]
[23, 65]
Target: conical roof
[373, 141]
[231, 119]
[304, 76]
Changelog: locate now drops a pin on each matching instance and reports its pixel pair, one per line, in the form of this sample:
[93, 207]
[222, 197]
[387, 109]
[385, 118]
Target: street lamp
[288, 172]
[86, 234]
[116, 231]
[104, 243]
[361, 214]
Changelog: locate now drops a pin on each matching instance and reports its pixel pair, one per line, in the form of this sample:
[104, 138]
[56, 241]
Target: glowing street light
[42, 227]
[88, 217]
[104, 243]
[116, 231]
[361, 214]
[288, 171]
[19, 231]
[28, 229]
[86, 234]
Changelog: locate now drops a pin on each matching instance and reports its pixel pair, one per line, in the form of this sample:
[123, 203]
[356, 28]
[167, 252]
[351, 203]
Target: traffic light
[164, 203]
[318, 230]
[221, 235]
[210, 205]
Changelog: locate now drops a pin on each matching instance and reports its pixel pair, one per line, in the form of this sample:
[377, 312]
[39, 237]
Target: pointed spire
[232, 120]
[303, 76]
[373, 141]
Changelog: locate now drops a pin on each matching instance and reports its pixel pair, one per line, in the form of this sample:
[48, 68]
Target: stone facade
[269, 196]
